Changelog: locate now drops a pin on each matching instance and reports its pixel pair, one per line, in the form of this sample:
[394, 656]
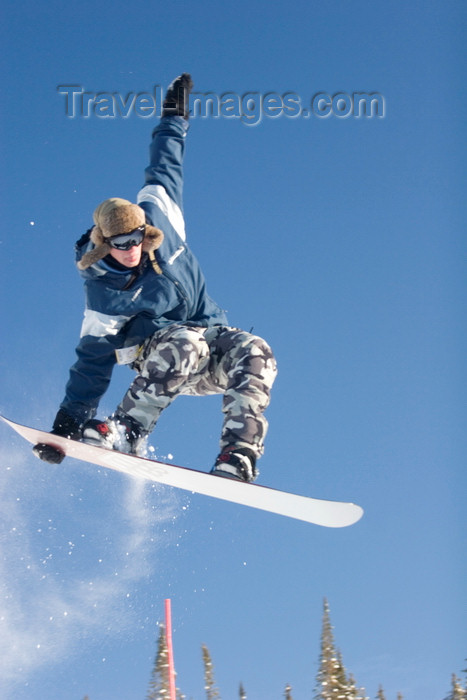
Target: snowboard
[311, 510]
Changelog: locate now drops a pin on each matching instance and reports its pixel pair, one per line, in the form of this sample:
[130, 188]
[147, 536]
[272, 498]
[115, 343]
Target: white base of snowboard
[311, 510]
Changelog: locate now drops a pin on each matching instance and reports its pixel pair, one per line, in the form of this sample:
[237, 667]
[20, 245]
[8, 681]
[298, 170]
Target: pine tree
[332, 682]
[241, 692]
[380, 694]
[457, 691]
[159, 688]
[212, 692]
[288, 692]
[159, 685]
[329, 681]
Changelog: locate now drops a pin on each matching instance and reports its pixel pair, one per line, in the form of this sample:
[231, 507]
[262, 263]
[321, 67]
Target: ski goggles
[125, 241]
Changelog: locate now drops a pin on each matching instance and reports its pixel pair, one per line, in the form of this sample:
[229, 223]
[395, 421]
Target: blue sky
[341, 241]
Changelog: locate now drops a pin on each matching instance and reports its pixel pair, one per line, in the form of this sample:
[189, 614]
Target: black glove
[47, 453]
[177, 97]
[64, 425]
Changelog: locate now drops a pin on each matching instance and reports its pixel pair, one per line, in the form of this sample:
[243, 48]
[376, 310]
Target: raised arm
[163, 187]
[163, 191]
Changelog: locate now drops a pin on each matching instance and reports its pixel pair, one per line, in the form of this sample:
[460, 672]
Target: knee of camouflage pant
[270, 365]
[176, 351]
[251, 355]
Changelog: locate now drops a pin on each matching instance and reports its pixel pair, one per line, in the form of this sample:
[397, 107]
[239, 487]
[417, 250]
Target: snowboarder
[147, 306]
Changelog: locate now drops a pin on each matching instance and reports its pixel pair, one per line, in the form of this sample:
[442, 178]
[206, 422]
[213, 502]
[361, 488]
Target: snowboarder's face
[128, 258]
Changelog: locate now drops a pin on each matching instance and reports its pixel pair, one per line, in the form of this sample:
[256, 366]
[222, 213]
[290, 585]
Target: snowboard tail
[312, 510]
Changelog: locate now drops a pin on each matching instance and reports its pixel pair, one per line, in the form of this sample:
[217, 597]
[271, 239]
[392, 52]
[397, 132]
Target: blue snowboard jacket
[121, 312]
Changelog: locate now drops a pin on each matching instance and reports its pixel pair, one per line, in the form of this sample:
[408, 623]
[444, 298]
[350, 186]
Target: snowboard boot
[99, 433]
[236, 463]
[118, 432]
[177, 97]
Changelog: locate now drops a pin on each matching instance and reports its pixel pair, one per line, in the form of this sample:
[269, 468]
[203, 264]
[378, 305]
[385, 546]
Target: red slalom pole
[170, 653]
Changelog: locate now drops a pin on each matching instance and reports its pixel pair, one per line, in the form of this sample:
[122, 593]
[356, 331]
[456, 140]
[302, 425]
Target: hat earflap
[100, 250]
[153, 238]
[97, 237]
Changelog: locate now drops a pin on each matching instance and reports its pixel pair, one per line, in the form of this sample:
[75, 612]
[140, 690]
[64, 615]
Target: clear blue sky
[342, 242]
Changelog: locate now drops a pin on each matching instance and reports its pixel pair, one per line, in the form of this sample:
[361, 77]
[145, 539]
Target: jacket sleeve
[166, 154]
[90, 376]
[101, 333]
[162, 195]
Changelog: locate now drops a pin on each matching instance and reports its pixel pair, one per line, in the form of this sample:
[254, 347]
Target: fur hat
[113, 217]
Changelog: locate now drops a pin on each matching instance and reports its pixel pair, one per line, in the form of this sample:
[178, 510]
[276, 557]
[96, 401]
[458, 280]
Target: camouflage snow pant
[184, 360]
